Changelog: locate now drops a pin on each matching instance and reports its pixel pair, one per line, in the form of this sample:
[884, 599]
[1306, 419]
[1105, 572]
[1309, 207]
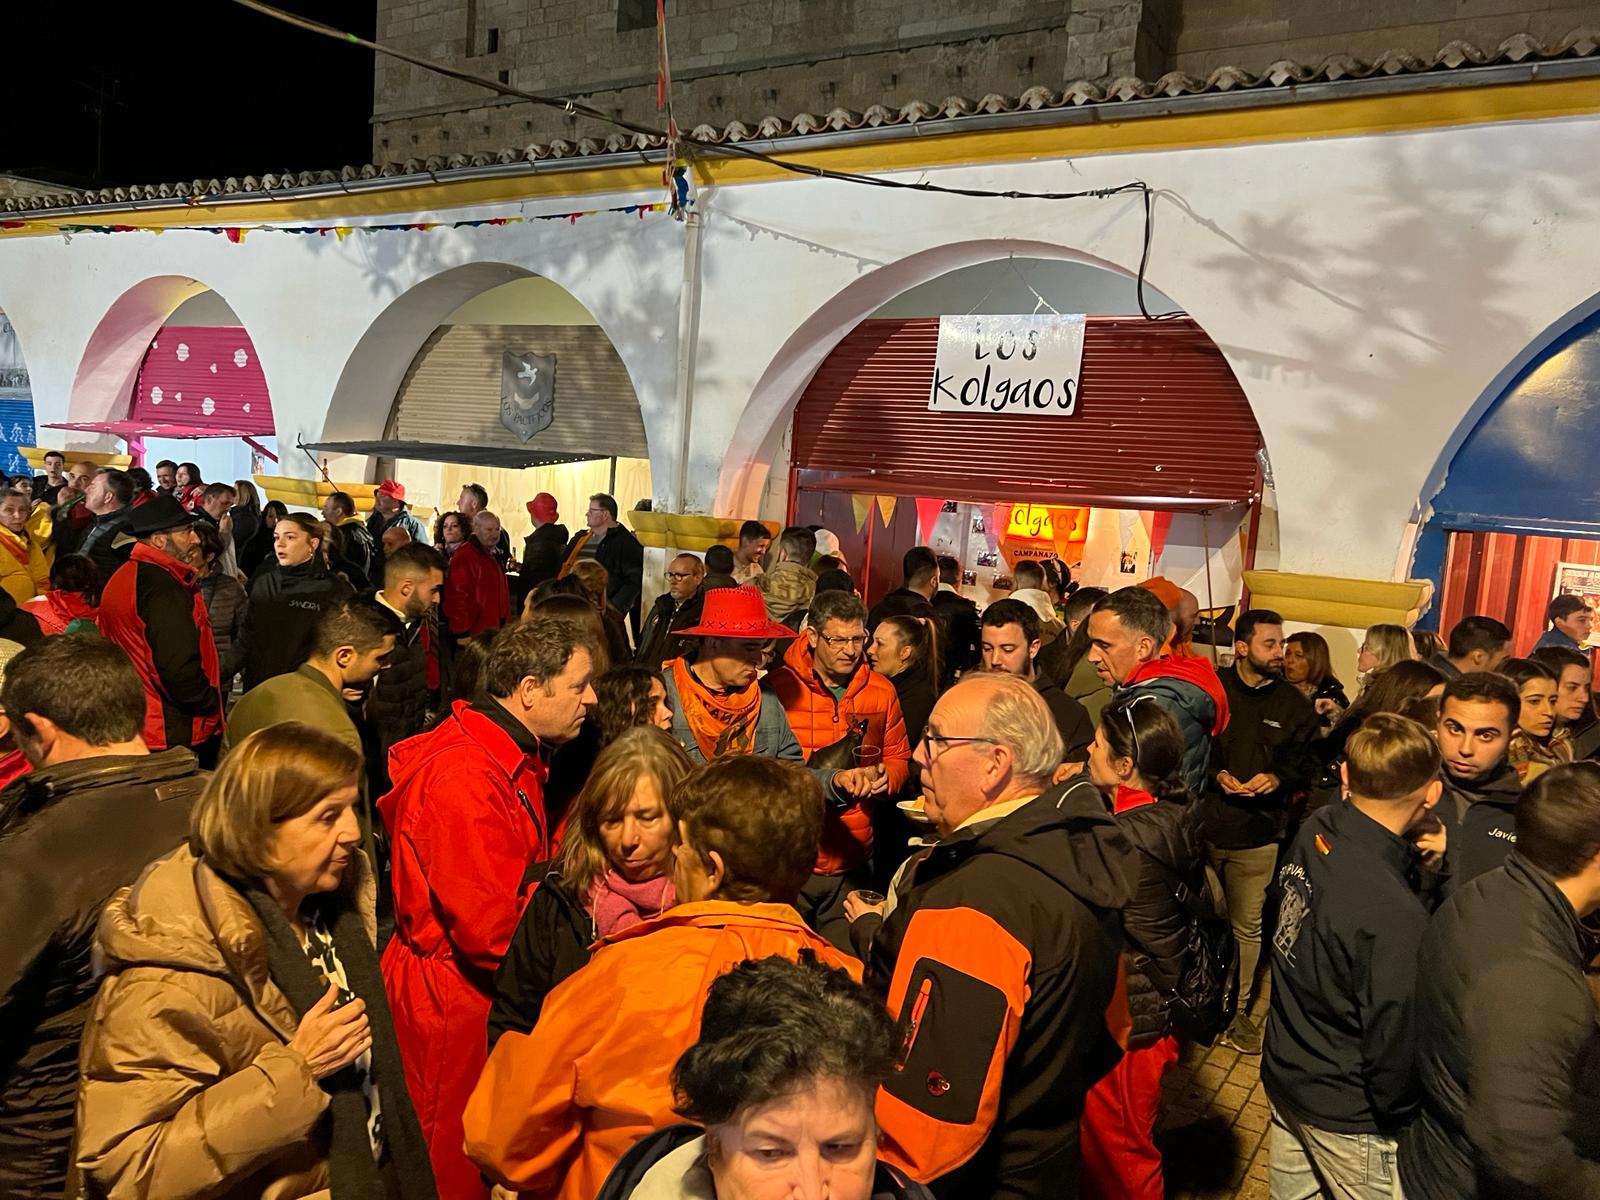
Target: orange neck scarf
[721, 724]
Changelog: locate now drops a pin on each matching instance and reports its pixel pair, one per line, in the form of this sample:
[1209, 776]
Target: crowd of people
[495, 878]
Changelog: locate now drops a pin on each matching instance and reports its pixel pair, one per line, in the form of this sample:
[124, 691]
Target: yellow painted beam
[921, 146]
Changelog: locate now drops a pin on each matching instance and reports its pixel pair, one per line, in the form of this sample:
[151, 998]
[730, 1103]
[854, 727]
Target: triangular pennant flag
[928, 510]
[861, 506]
[886, 509]
[1160, 527]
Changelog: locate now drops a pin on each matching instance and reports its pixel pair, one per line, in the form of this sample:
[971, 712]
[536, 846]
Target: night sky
[110, 92]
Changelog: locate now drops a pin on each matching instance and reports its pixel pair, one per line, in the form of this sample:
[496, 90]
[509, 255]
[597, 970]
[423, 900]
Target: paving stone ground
[1213, 1128]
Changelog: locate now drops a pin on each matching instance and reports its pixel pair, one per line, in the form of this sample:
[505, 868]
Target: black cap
[158, 516]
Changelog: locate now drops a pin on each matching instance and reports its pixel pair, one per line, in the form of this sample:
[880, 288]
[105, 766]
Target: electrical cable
[573, 107]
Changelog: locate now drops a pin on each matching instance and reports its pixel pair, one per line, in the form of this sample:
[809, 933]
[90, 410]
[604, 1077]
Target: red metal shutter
[1161, 423]
[205, 377]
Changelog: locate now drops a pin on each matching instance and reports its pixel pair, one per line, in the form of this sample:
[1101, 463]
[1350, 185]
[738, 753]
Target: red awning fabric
[1161, 423]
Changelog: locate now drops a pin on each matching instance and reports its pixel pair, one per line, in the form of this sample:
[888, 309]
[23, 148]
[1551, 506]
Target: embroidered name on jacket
[1293, 908]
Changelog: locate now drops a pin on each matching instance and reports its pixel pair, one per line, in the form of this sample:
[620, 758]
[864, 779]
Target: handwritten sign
[1046, 523]
[1008, 364]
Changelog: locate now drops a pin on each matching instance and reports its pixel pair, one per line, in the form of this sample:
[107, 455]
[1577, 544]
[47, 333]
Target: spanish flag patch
[1322, 844]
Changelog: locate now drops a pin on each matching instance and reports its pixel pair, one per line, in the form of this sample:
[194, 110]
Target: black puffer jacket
[542, 552]
[285, 603]
[1156, 928]
[552, 941]
[70, 836]
[1508, 1047]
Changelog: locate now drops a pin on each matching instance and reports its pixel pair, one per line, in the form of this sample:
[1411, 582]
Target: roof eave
[1117, 110]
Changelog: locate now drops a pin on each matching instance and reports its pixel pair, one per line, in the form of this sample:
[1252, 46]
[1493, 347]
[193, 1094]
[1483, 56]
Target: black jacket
[256, 551]
[1340, 1042]
[622, 556]
[914, 689]
[1269, 729]
[70, 836]
[1167, 835]
[658, 639]
[551, 942]
[1509, 1049]
[961, 640]
[397, 705]
[228, 607]
[1004, 946]
[1072, 719]
[364, 555]
[1479, 817]
[96, 543]
[285, 603]
[902, 602]
[542, 554]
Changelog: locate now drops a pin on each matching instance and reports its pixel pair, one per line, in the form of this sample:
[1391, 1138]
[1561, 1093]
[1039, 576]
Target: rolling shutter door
[451, 392]
[1161, 423]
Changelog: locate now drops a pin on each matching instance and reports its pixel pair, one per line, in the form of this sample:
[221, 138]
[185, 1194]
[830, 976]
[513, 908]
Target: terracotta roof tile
[1457, 55]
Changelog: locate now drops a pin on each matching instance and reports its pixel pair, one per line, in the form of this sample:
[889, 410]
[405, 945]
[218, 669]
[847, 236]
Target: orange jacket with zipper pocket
[819, 720]
[557, 1108]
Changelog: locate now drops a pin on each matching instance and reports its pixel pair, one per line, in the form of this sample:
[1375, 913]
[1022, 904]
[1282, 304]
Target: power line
[575, 108]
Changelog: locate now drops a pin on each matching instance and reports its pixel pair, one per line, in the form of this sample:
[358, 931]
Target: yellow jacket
[24, 565]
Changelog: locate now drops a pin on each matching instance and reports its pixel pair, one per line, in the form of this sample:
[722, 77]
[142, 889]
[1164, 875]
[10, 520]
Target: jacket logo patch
[938, 1085]
[1322, 844]
[1294, 905]
[1271, 724]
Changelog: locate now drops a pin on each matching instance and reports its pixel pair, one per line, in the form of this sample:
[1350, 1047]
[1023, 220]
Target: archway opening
[490, 374]
[16, 405]
[1124, 447]
[1516, 520]
[172, 373]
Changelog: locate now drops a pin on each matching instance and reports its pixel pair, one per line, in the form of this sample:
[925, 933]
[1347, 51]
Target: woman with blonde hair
[241, 1045]
[1383, 646]
[614, 871]
[595, 580]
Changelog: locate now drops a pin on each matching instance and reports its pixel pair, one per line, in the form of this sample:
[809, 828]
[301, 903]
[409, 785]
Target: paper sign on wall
[1008, 364]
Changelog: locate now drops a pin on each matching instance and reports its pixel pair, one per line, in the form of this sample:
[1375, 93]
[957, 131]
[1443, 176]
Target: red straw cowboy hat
[736, 612]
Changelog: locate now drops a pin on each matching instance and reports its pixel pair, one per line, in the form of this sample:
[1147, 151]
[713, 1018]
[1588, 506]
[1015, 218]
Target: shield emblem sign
[527, 392]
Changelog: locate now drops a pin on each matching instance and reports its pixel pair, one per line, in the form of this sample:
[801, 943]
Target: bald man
[394, 537]
[1023, 959]
[677, 608]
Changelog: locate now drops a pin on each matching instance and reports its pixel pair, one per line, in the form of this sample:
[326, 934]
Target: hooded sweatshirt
[1001, 960]
[1050, 623]
[1189, 689]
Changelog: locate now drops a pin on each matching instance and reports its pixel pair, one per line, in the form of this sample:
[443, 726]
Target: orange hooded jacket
[819, 720]
[556, 1109]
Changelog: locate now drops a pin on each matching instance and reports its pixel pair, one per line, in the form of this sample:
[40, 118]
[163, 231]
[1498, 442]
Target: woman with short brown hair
[241, 1045]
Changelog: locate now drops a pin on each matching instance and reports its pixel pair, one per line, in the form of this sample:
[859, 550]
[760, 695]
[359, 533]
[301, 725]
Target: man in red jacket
[476, 595]
[153, 609]
[465, 819]
[826, 689]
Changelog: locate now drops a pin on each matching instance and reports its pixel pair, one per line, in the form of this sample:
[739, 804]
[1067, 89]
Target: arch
[103, 384]
[1516, 466]
[369, 384]
[757, 435]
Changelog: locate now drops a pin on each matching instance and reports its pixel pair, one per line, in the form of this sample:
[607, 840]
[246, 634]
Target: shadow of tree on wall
[1442, 299]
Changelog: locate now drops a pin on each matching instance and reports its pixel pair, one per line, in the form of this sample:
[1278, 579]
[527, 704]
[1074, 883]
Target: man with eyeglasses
[675, 609]
[827, 688]
[999, 959]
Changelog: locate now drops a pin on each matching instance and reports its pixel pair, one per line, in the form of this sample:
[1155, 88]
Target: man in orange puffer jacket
[825, 685]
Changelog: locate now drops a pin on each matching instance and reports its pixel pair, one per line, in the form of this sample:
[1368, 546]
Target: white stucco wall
[1366, 290]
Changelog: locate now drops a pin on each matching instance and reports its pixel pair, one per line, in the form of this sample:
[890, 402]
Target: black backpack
[1206, 998]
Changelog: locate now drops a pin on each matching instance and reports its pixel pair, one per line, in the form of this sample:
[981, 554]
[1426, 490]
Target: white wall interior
[1026, 285]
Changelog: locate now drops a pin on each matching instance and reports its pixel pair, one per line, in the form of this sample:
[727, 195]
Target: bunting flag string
[237, 233]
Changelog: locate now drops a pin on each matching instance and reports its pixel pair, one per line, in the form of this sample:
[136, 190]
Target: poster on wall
[1001, 364]
[1583, 580]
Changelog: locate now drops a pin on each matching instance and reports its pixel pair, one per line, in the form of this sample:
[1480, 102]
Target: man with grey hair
[1013, 922]
[1126, 632]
